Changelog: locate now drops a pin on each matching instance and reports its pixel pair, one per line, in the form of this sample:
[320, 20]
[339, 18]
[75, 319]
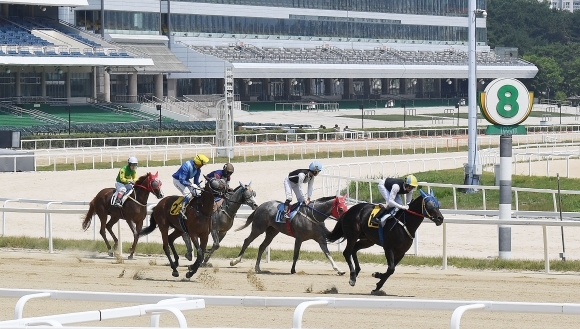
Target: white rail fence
[70, 143]
[175, 304]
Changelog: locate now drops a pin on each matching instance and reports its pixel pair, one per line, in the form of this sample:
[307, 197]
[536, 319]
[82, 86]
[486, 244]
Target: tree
[549, 75]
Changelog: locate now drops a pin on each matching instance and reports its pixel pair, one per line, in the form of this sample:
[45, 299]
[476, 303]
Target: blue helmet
[315, 166]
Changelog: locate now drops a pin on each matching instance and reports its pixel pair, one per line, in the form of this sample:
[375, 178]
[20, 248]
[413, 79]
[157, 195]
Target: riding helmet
[228, 169]
[411, 180]
[315, 166]
[200, 160]
[132, 160]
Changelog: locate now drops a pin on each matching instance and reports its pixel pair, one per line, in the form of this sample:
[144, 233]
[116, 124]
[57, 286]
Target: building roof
[164, 60]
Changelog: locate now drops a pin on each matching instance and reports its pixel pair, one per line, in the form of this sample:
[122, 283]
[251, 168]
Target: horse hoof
[188, 256]
[111, 253]
[189, 275]
[175, 274]
[340, 273]
[351, 282]
[234, 262]
[375, 292]
[130, 257]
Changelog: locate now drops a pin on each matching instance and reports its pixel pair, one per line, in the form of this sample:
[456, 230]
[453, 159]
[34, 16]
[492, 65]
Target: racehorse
[307, 224]
[133, 211]
[397, 233]
[223, 219]
[197, 225]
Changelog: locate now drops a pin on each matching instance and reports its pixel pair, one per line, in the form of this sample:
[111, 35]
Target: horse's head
[248, 195]
[339, 206]
[431, 207]
[152, 184]
[217, 186]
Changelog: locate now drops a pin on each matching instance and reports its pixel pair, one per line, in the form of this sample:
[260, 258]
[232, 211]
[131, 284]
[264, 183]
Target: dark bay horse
[133, 211]
[198, 223]
[398, 233]
[307, 224]
[223, 219]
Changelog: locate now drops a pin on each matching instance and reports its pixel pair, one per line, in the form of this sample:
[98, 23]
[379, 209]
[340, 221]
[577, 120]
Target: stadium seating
[248, 53]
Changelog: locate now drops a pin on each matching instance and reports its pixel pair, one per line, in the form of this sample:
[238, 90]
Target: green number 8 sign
[506, 102]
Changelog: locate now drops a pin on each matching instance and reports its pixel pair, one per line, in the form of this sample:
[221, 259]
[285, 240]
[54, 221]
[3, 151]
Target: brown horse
[307, 224]
[198, 223]
[133, 211]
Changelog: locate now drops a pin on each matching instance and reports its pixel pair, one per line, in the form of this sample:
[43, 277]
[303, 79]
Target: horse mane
[326, 198]
[142, 179]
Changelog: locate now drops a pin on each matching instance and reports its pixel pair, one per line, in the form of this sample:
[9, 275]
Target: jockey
[225, 173]
[181, 179]
[294, 181]
[125, 180]
[391, 189]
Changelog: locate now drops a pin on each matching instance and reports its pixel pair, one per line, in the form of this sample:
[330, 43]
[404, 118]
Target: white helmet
[132, 160]
[315, 166]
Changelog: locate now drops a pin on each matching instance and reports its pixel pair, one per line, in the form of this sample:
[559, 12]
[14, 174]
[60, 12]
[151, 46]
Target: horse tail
[150, 228]
[248, 222]
[89, 216]
[337, 231]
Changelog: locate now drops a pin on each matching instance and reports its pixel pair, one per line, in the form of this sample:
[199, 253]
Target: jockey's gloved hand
[405, 207]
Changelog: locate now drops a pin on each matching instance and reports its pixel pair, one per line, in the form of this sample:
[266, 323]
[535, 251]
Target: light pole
[362, 117]
[470, 177]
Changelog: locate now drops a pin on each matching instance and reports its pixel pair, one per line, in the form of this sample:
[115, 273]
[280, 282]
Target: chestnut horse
[396, 236]
[307, 224]
[133, 211]
[198, 223]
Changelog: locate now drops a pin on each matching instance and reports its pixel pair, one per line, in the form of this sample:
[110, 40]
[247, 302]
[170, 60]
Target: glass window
[81, 85]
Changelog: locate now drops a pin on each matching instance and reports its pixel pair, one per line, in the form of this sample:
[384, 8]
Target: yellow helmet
[411, 180]
[200, 160]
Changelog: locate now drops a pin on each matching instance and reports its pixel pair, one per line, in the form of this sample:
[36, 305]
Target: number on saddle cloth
[176, 205]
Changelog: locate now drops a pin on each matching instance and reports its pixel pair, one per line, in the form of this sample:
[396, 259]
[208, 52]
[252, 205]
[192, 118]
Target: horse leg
[165, 239]
[347, 253]
[187, 241]
[174, 235]
[103, 218]
[324, 247]
[270, 234]
[195, 266]
[253, 235]
[135, 228]
[361, 244]
[109, 227]
[215, 246]
[297, 244]
[384, 276]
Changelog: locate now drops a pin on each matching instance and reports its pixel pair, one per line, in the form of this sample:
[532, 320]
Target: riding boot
[286, 206]
[119, 200]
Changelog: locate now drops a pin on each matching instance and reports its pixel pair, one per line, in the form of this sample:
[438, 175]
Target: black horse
[397, 233]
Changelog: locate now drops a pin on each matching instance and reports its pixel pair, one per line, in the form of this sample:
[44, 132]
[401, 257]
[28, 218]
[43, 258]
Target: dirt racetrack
[149, 274]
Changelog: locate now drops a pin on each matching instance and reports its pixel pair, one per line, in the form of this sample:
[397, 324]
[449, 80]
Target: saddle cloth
[292, 210]
[375, 210]
[176, 206]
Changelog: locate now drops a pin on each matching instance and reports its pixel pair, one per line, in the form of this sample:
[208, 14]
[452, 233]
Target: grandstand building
[277, 50]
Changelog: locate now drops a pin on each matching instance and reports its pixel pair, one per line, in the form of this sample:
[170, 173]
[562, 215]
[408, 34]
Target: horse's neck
[207, 201]
[141, 194]
[322, 209]
[232, 205]
[412, 221]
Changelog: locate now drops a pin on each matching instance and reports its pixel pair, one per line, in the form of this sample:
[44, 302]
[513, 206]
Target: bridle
[424, 213]
[336, 203]
[148, 188]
